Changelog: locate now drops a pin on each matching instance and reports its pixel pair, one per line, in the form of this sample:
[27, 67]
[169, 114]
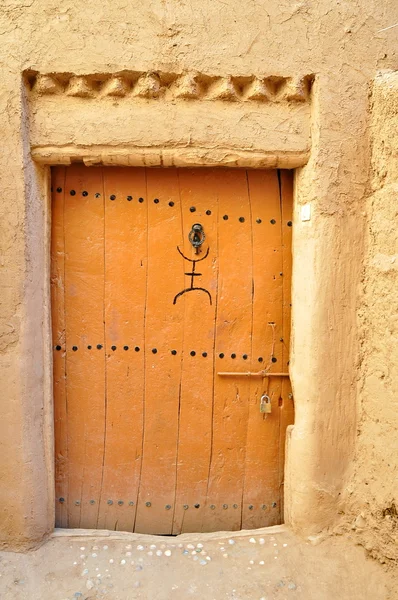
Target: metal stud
[72, 193]
[225, 217]
[235, 506]
[140, 200]
[197, 505]
[273, 359]
[77, 502]
[137, 348]
[225, 506]
[58, 347]
[274, 505]
[289, 223]
[97, 195]
[148, 504]
[193, 353]
[192, 209]
[251, 506]
[59, 190]
[120, 502]
[131, 503]
[244, 357]
[84, 194]
[61, 500]
[154, 350]
[171, 203]
[272, 221]
[204, 354]
[264, 507]
[258, 221]
[129, 198]
[125, 347]
[110, 502]
[113, 348]
[186, 507]
[260, 359]
[168, 506]
[74, 348]
[99, 346]
[174, 352]
[221, 355]
[208, 212]
[233, 355]
[212, 506]
[156, 201]
[113, 197]
[92, 501]
[89, 347]
[241, 219]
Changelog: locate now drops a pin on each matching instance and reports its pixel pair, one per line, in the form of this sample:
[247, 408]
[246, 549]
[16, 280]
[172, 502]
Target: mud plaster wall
[373, 490]
[339, 43]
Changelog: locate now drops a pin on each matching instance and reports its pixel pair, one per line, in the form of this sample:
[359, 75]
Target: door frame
[325, 274]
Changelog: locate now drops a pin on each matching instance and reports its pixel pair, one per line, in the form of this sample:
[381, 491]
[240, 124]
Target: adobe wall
[324, 133]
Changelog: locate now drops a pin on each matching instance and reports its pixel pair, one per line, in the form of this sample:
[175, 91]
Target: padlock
[265, 404]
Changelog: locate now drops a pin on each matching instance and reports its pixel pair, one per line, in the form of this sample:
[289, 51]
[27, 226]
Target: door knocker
[197, 236]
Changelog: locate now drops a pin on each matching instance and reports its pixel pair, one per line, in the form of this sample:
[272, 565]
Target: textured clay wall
[373, 491]
[341, 358]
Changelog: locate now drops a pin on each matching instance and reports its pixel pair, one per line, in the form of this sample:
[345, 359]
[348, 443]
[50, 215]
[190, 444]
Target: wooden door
[156, 428]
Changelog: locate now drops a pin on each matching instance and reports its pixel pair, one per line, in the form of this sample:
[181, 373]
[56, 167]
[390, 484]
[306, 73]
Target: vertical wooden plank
[163, 335]
[85, 355]
[58, 337]
[287, 408]
[198, 192]
[125, 289]
[232, 353]
[261, 504]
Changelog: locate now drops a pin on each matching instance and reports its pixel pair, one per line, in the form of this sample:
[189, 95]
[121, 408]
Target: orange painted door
[171, 312]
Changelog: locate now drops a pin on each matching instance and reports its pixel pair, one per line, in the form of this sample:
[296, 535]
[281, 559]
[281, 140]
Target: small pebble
[89, 584]
[150, 553]
[84, 572]
[139, 547]
[111, 560]
[137, 584]
[159, 553]
[75, 563]
[82, 556]
[128, 547]
[292, 586]
[225, 555]
[196, 557]
[128, 553]
[190, 546]
[252, 541]
[94, 555]
[261, 562]
[231, 542]
[180, 545]
[251, 562]
[139, 568]
[153, 546]
[105, 547]
[261, 541]
[123, 562]
[199, 545]
[185, 552]
[82, 548]
[95, 548]
[203, 562]
[208, 558]
[167, 552]
[285, 545]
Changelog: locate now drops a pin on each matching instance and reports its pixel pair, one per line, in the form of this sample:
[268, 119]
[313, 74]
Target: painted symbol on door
[193, 274]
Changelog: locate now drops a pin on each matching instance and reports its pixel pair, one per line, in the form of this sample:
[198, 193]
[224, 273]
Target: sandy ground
[266, 564]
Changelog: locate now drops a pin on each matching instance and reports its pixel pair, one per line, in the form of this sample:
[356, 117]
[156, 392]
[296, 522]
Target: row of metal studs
[171, 203]
[169, 506]
[173, 352]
